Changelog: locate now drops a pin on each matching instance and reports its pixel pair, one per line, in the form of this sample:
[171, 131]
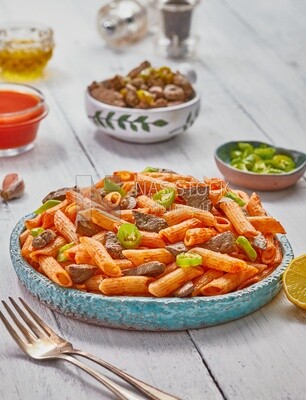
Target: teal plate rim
[147, 313]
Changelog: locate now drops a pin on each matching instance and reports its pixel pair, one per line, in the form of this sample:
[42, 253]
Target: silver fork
[39, 341]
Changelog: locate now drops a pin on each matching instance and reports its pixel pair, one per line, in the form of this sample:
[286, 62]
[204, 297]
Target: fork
[40, 342]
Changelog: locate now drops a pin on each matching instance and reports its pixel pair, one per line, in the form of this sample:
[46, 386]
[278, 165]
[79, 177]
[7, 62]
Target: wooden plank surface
[249, 90]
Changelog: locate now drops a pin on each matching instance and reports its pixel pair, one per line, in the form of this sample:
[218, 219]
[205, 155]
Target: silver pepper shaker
[175, 38]
[122, 22]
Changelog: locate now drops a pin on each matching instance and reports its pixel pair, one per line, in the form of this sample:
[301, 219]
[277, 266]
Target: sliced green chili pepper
[61, 257]
[129, 236]
[246, 148]
[283, 162]
[48, 204]
[246, 246]
[150, 169]
[36, 231]
[110, 186]
[165, 197]
[265, 153]
[240, 165]
[185, 260]
[261, 160]
[237, 199]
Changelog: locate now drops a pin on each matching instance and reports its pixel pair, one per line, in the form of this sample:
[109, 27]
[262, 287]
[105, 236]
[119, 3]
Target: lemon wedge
[294, 280]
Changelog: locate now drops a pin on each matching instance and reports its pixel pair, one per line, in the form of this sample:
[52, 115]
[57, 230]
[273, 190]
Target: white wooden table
[252, 75]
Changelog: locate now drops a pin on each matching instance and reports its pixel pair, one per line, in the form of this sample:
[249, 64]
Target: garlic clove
[12, 187]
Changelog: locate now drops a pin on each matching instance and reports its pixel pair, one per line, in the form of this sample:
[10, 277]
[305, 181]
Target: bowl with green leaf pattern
[142, 125]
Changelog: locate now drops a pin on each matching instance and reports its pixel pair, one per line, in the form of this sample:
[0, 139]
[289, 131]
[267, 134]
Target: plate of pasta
[152, 250]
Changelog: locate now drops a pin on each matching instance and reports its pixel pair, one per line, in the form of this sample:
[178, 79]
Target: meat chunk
[166, 170]
[149, 223]
[128, 203]
[260, 242]
[59, 194]
[183, 82]
[197, 196]
[84, 225]
[176, 248]
[113, 246]
[43, 239]
[81, 272]
[108, 96]
[222, 243]
[136, 71]
[131, 98]
[152, 268]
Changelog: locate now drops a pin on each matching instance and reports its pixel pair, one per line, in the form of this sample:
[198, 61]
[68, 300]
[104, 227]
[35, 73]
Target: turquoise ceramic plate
[143, 313]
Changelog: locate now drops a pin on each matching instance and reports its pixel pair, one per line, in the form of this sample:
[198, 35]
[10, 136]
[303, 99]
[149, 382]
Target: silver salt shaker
[122, 22]
[175, 39]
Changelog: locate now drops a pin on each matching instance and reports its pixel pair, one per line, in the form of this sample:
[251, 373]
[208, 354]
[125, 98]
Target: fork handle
[150, 391]
[119, 391]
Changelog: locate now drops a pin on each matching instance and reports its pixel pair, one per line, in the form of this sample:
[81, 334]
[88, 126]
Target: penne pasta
[48, 215]
[206, 217]
[223, 224]
[176, 233]
[126, 285]
[198, 235]
[154, 208]
[254, 206]
[34, 222]
[228, 282]
[27, 248]
[149, 186]
[23, 237]
[219, 261]
[268, 255]
[167, 284]
[101, 257]
[128, 216]
[65, 227]
[114, 199]
[90, 221]
[142, 256]
[54, 271]
[83, 257]
[105, 220]
[266, 224]
[204, 279]
[151, 240]
[92, 284]
[236, 216]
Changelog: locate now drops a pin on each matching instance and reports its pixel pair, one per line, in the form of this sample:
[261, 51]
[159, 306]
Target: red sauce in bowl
[11, 101]
[21, 109]
[17, 107]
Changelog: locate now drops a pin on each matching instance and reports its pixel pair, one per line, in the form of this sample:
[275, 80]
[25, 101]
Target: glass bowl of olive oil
[25, 50]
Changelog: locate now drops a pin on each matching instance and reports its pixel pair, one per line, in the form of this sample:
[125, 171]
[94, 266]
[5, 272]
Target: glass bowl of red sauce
[22, 107]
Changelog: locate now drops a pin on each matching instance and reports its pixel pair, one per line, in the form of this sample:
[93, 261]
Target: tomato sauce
[20, 114]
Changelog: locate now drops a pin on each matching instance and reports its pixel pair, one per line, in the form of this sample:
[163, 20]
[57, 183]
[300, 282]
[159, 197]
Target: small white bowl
[142, 125]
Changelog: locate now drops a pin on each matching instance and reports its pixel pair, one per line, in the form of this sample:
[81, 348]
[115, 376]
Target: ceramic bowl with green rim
[259, 181]
[147, 313]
